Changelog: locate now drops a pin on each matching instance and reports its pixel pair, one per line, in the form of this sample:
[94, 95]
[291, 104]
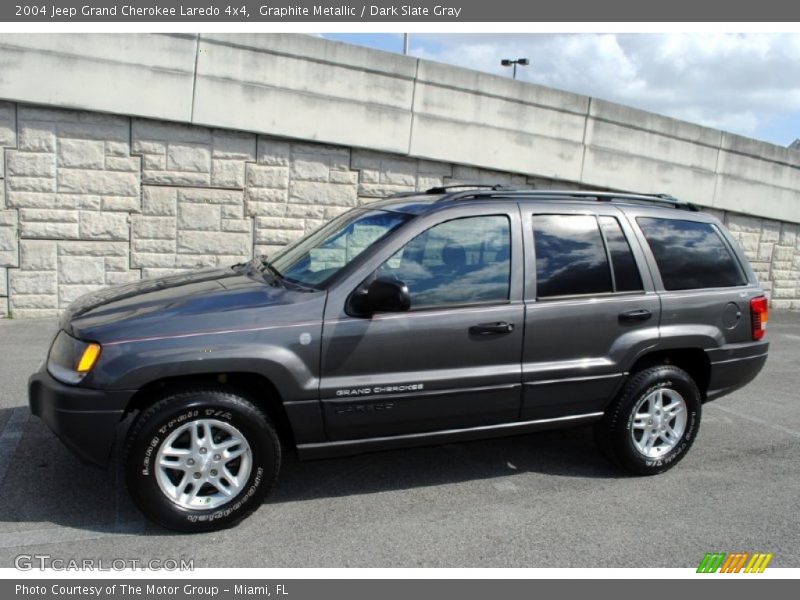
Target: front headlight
[71, 359]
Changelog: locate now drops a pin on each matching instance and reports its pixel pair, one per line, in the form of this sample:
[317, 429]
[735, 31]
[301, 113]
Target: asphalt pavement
[541, 500]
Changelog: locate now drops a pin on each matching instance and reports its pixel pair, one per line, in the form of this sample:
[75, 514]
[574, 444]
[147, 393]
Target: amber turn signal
[89, 357]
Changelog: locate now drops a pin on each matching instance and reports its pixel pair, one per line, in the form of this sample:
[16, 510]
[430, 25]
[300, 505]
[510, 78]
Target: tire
[624, 439]
[226, 456]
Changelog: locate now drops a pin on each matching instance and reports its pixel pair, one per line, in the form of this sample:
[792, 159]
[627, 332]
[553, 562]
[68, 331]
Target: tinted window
[317, 257]
[458, 262]
[690, 255]
[570, 256]
[623, 265]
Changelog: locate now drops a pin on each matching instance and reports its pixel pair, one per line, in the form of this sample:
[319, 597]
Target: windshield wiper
[279, 277]
[271, 268]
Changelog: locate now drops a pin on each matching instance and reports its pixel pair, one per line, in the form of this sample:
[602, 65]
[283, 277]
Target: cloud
[744, 83]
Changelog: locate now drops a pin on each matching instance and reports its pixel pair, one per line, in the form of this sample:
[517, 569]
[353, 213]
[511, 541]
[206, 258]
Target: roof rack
[444, 189]
[597, 196]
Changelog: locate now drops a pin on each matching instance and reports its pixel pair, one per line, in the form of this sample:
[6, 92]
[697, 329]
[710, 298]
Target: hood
[183, 303]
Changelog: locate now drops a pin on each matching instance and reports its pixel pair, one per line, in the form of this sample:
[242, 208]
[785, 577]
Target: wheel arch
[693, 360]
[254, 386]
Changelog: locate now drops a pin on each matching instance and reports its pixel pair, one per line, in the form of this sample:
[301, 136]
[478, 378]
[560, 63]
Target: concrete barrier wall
[131, 156]
[308, 88]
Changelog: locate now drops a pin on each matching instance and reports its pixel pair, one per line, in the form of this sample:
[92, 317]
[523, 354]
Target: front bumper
[85, 420]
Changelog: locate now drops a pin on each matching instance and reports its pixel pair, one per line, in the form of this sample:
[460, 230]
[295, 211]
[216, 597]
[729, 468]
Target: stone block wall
[89, 200]
[773, 249]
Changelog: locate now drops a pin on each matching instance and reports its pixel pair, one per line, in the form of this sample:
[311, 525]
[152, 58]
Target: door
[591, 309]
[453, 360]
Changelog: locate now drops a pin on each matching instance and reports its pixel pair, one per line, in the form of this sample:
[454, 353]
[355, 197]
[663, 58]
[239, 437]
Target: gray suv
[438, 316]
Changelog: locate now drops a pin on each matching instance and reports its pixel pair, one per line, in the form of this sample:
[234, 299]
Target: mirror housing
[384, 294]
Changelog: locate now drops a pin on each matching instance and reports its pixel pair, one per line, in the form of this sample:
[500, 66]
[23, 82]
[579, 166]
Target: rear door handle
[500, 327]
[640, 314]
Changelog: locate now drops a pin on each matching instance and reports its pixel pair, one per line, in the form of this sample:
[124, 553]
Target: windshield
[312, 260]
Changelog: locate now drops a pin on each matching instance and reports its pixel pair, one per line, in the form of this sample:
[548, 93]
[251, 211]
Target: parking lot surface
[542, 500]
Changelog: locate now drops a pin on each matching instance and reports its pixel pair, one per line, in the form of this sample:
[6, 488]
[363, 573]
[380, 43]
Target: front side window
[464, 261]
[314, 259]
[690, 255]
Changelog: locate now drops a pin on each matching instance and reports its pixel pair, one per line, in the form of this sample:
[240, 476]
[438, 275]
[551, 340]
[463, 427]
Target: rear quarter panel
[701, 318]
[716, 320]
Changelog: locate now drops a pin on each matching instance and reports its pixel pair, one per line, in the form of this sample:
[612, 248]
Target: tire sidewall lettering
[155, 442]
[214, 413]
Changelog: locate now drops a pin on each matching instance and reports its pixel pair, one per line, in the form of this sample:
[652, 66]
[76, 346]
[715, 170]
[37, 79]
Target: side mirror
[384, 294]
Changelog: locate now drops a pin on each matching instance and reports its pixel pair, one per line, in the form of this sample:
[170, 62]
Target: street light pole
[405, 44]
[507, 62]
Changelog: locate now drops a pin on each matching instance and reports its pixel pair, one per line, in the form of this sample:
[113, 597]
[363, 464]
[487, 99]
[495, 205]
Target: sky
[743, 83]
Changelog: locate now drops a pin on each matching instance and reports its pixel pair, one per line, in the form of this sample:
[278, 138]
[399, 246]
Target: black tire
[613, 433]
[153, 426]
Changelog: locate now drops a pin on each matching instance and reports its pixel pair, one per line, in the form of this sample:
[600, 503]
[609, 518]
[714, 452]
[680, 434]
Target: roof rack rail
[444, 189]
[598, 196]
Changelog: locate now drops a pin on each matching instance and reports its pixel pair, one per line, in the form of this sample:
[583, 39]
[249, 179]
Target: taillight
[758, 317]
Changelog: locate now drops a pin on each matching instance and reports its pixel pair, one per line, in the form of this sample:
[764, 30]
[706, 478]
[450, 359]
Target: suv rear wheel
[653, 422]
[201, 460]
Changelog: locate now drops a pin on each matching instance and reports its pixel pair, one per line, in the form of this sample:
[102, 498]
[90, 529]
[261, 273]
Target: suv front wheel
[201, 460]
[653, 421]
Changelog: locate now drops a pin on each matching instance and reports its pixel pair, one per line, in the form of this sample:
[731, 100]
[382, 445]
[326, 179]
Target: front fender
[291, 366]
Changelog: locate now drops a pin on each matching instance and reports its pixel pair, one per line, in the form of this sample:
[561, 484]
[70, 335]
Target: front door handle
[500, 327]
[640, 314]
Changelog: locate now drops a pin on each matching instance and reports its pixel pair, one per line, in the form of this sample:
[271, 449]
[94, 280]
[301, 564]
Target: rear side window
[570, 256]
[581, 254]
[623, 265]
[690, 255]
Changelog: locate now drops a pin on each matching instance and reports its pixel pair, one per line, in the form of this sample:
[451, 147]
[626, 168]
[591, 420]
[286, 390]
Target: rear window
[690, 255]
